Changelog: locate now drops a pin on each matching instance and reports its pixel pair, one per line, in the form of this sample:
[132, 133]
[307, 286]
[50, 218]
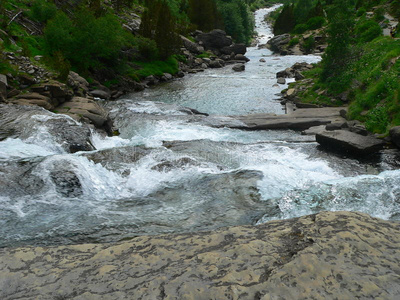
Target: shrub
[147, 48]
[293, 41]
[300, 28]
[42, 11]
[309, 44]
[315, 23]
[85, 41]
[367, 30]
[361, 12]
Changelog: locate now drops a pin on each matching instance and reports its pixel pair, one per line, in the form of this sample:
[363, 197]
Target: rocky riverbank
[329, 255]
[341, 135]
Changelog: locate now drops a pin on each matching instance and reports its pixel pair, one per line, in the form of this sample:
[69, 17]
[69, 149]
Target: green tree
[286, 20]
[204, 14]
[338, 54]
[159, 24]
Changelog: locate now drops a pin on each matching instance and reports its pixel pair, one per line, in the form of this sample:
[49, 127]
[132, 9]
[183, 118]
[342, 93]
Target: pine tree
[285, 21]
[159, 24]
[204, 14]
[166, 37]
[338, 54]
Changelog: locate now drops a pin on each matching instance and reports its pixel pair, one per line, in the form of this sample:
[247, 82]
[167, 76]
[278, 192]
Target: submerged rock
[329, 255]
[239, 68]
[67, 183]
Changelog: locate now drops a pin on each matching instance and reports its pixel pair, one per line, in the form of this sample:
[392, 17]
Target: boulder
[86, 110]
[67, 183]
[262, 60]
[287, 73]
[281, 80]
[235, 49]
[349, 142]
[328, 255]
[241, 57]
[78, 83]
[189, 45]
[239, 68]
[3, 88]
[395, 135]
[34, 99]
[100, 94]
[216, 63]
[298, 76]
[19, 121]
[277, 43]
[26, 79]
[58, 92]
[166, 77]
[214, 40]
[151, 80]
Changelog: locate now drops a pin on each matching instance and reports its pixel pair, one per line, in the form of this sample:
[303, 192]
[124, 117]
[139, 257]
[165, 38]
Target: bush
[147, 48]
[367, 30]
[85, 41]
[300, 28]
[293, 41]
[309, 44]
[315, 23]
[42, 11]
[361, 12]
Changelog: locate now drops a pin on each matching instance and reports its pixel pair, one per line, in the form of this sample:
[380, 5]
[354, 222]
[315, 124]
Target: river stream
[169, 172]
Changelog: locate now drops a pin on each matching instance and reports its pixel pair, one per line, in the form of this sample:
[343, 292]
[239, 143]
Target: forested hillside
[360, 66]
[99, 39]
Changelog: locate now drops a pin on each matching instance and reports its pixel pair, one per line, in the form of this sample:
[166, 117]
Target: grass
[373, 85]
[157, 68]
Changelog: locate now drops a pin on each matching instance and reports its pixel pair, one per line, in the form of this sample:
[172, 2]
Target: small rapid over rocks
[172, 169]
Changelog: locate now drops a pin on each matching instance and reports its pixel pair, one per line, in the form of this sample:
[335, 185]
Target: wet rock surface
[20, 121]
[300, 119]
[349, 142]
[330, 255]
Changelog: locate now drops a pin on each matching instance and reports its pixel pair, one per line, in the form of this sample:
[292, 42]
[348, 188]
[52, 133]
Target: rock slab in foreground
[349, 142]
[330, 255]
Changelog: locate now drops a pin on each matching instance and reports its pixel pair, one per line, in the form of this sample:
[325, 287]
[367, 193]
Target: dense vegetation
[87, 35]
[360, 66]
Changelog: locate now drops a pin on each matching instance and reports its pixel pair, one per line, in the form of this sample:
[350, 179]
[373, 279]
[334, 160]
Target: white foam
[16, 148]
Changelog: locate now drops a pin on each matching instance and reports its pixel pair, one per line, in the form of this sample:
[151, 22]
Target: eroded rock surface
[330, 255]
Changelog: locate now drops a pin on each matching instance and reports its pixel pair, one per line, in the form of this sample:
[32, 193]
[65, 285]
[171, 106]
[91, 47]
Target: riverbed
[168, 172]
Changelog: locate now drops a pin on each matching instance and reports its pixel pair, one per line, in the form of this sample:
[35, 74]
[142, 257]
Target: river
[168, 171]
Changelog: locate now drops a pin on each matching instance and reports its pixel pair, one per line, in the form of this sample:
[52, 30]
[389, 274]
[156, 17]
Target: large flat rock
[330, 255]
[300, 119]
[349, 142]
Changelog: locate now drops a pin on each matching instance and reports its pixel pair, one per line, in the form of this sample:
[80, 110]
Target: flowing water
[170, 172]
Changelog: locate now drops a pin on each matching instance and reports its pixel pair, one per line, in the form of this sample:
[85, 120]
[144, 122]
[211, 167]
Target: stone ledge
[330, 255]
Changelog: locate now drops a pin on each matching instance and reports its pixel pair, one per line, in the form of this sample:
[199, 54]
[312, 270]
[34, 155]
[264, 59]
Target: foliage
[159, 24]
[204, 14]
[286, 20]
[367, 30]
[237, 19]
[84, 40]
[315, 23]
[293, 41]
[309, 44]
[42, 10]
[338, 54]
[170, 66]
